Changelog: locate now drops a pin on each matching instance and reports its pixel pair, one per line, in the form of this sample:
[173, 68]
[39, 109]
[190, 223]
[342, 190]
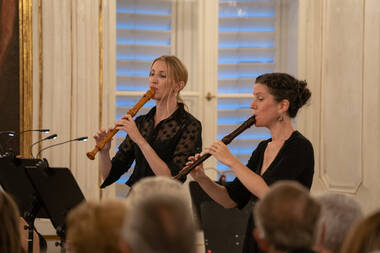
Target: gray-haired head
[287, 217]
[159, 218]
[339, 214]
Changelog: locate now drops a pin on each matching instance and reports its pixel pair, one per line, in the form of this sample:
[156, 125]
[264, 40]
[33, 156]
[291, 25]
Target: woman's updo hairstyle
[284, 86]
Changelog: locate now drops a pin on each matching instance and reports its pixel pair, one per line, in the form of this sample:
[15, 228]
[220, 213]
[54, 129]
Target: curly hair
[284, 86]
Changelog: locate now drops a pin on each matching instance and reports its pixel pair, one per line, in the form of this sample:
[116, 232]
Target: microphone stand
[85, 138]
[53, 136]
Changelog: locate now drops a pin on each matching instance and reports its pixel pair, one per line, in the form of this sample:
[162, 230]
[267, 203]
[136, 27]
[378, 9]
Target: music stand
[223, 228]
[16, 183]
[58, 192]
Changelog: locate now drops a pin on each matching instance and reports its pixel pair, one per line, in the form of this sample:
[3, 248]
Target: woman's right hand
[100, 135]
[198, 172]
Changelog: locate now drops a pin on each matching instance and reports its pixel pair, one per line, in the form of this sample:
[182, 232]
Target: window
[144, 29]
[248, 34]
[246, 49]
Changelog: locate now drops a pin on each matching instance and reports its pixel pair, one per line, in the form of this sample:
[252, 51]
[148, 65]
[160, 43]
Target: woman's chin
[258, 124]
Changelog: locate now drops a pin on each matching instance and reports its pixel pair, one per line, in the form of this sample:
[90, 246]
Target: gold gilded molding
[100, 77]
[26, 72]
[100, 63]
[71, 83]
[40, 72]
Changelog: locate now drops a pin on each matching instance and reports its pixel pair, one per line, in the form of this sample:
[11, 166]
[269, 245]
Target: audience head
[339, 214]
[287, 218]
[364, 237]
[9, 225]
[284, 86]
[159, 218]
[93, 227]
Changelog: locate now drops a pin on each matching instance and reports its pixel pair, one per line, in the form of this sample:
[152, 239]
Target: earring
[280, 117]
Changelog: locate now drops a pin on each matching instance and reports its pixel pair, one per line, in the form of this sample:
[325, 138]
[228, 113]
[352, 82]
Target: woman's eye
[163, 76]
[151, 74]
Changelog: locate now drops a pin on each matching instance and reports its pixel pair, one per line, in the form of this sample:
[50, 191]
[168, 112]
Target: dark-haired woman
[287, 155]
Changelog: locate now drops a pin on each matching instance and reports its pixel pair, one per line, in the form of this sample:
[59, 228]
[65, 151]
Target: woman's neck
[165, 108]
[281, 131]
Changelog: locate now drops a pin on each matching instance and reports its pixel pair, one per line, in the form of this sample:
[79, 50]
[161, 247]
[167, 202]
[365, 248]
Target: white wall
[339, 55]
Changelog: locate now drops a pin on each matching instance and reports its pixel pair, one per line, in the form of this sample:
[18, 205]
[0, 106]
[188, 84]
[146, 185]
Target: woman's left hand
[128, 125]
[220, 151]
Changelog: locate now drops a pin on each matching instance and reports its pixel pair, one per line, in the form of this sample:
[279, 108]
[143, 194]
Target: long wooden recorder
[145, 98]
[226, 140]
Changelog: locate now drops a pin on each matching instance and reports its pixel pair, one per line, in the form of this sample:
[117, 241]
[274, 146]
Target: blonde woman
[161, 140]
[364, 237]
[95, 228]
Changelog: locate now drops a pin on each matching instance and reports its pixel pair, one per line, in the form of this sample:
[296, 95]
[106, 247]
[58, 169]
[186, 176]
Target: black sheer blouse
[173, 139]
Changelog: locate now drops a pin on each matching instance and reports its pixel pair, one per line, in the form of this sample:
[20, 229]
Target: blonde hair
[10, 241]
[177, 72]
[364, 237]
[93, 227]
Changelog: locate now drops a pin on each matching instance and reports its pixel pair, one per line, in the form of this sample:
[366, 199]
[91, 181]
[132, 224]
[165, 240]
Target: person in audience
[364, 237]
[288, 155]
[10, 241]
[161, 140]
[339, 214]
[95, 228]
[159, 218]
[6, 208]
[287, 219]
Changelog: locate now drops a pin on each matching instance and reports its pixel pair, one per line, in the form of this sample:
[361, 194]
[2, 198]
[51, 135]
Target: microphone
[36, 130]
[9, 133]
[85, 138]
[50, 137]
[24, 131]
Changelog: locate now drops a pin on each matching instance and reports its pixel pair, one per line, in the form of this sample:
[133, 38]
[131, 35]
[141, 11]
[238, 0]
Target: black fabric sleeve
[237, 191]
[121, 162]
[190, 143]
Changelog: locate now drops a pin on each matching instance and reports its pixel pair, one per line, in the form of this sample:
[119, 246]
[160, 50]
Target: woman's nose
[253, 105]
[153, 80]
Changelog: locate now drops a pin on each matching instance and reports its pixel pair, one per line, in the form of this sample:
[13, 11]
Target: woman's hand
[100, 135]
[128, 125]
[220, 151]
[198, 172]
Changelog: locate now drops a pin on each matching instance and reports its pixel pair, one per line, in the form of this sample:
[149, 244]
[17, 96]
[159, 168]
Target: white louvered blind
[246, 49]
[144, 30]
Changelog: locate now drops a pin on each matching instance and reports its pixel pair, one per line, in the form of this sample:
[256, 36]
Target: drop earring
[280, 117]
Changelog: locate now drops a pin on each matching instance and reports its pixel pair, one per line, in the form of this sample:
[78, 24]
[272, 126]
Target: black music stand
[58, 192]
[223, 228]
[15, 182]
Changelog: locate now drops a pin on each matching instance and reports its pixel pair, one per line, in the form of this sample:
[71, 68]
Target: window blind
[143, 33]
[246, 49]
